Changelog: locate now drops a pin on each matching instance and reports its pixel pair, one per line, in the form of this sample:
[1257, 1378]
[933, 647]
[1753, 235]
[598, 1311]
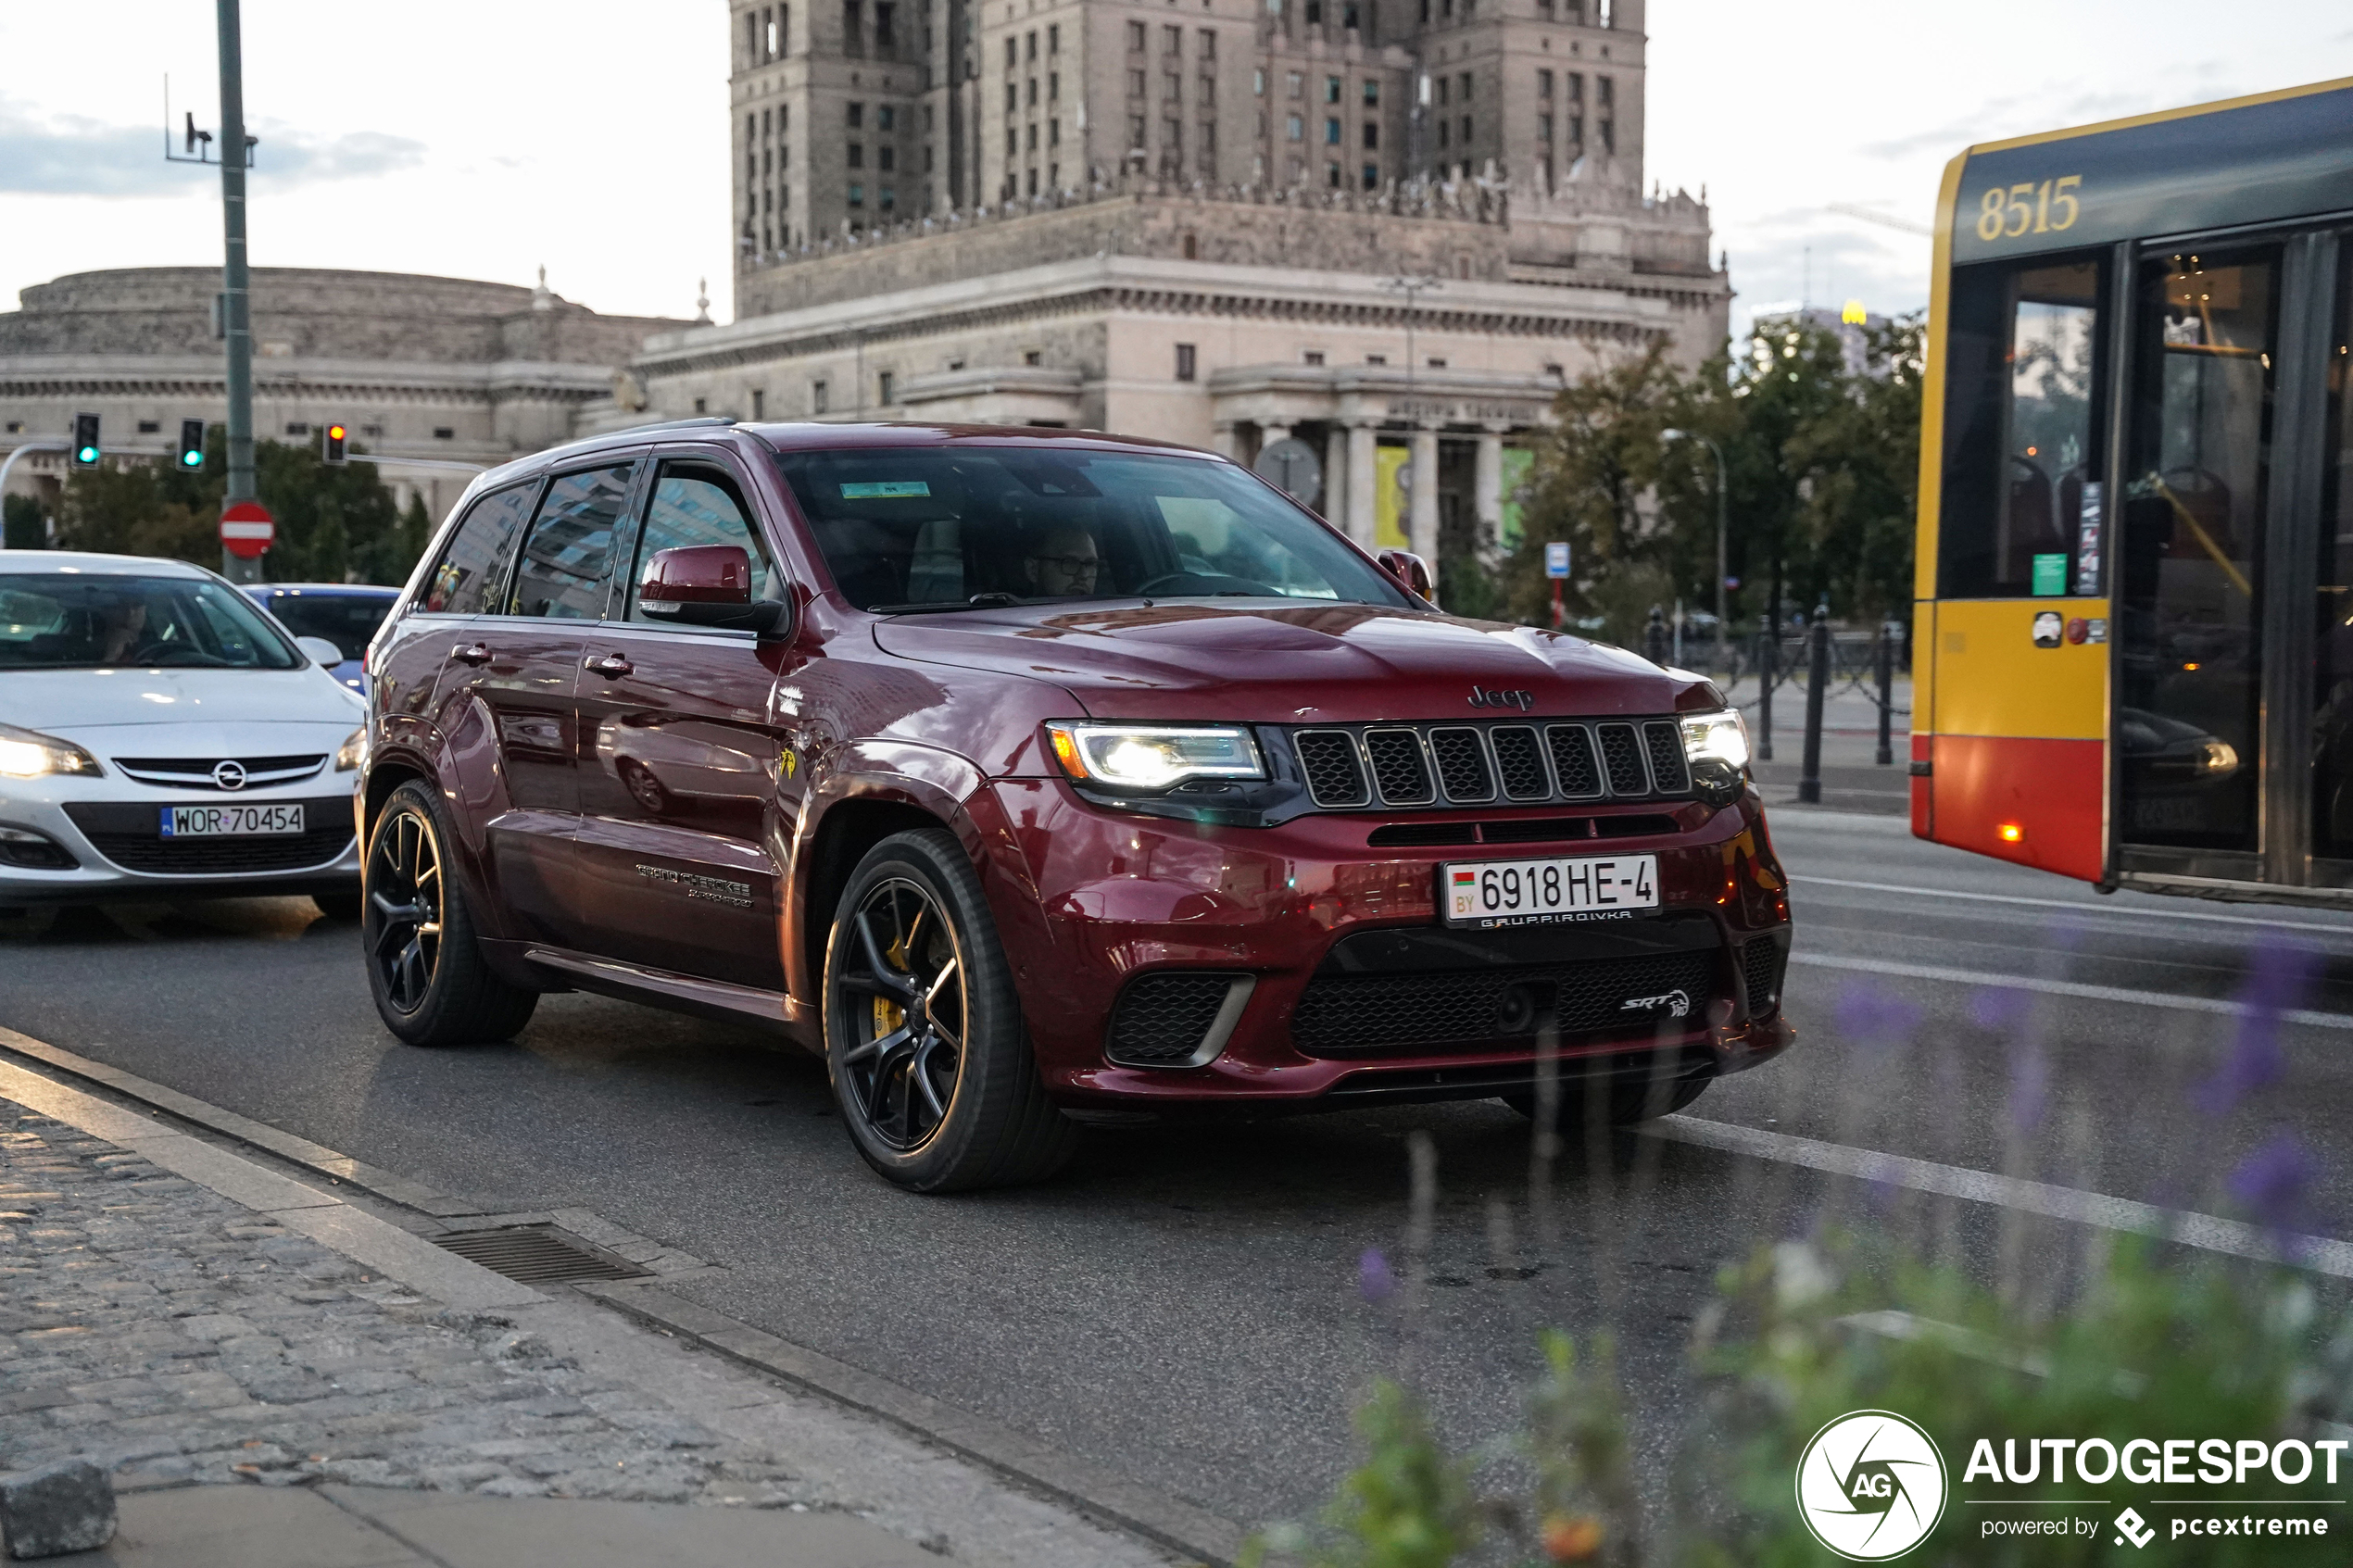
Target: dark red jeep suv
[1036, 778]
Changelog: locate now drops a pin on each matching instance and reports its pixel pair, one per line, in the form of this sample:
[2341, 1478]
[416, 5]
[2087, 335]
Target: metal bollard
[1818, 682]
[1655, 638]
[1767, 641]
[1886, 753]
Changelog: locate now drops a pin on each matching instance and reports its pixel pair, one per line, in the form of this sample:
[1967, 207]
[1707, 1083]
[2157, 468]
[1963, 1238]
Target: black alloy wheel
[903, 997]
[925, 1040]
[431, 982]
[403, 913]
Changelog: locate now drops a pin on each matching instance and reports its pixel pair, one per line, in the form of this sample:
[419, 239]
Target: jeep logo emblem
[1674, 1004]
[1491, 697]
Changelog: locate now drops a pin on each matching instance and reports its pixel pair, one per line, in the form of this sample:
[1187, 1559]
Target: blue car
[345, 614]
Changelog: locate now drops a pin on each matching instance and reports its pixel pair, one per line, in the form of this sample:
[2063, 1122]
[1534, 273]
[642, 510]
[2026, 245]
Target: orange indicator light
[1066, 752]
[2011, 832]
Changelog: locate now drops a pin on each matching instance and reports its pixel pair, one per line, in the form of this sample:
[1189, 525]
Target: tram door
[2233, 715]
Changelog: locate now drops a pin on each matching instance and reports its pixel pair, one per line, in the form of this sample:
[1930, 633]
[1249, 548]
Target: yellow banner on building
[1388, 496]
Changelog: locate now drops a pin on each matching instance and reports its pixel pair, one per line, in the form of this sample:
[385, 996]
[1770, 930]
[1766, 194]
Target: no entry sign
[245, 529]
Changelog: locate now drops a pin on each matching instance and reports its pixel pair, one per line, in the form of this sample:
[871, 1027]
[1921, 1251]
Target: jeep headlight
[353, 752]
[1716, 748]
[1154, 756]
[28, 754]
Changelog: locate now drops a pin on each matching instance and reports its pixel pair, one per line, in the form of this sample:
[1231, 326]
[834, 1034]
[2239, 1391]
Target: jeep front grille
[1478, 764]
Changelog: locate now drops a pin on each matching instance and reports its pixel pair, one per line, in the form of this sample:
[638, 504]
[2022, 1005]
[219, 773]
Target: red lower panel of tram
[2036, 802]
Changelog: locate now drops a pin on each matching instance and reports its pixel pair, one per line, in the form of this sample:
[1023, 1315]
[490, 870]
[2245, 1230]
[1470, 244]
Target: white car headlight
[1154, 756]
[1720, 735]
[28, 754]
[353, 752]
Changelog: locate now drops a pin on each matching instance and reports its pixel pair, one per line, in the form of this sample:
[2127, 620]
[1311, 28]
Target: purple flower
[2273, 1182]
[1999, 1007]
[2274, 984]
[2030, 1084]
[1876, 1018]
[1373, 1281]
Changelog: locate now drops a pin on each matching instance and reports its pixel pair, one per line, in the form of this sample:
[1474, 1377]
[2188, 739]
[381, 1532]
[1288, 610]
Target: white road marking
[2077, 905]
[2213, 1234]
[2064, 988]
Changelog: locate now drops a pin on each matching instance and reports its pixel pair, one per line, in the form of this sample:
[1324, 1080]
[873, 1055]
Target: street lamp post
[1723, 532]
[236, 304]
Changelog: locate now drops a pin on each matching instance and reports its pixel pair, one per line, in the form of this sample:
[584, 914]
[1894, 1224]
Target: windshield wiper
[943, 607]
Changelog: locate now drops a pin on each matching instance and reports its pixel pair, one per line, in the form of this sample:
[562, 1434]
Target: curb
[1192, 1532]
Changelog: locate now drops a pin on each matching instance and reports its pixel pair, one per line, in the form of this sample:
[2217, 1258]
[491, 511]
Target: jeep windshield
[923, 530]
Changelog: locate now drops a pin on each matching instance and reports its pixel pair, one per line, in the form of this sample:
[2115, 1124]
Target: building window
[886, 117]
[1332, 88]
[1208, 147]
[1208, 44]
[1349, 17]
[1054, 39]
[1609, 136]
[857, 195]
[1294, 128]
[1331, 132]
[1376, 358]
[857, 154]
[1543, 83]
[1136, 132]
[1544, 129]
[887, 388]
[1032, 356]
[701, 405]
[928, 121]
[1438, 364]
[926, 158]
[1030, 45]
[857, 116]
[1315, 13]
[1577, 129]
[1031, 93]
[1557, 373]
[852, 27]
[1466, 131]
[1464, 84]
[1173, 39]
[1134, 84]
[1331, 175]
[1372, 137]
[1258, 84]
[1443, 132]
[1186, 361]
[371, 432]
[1012, 57]
[150, 427]
[886, 159]
[1012, 97]
[1576, 86]
[758, 402]
[1604, 91]
[1171, 87]
[884, 35]
[1192, 247]
[1136, 35]
[1053, 86]
[1053, 132]
[444, 433]
[1013, 141]
[1209, 91]
[1313, 356]
[1372, 93]
[1441, 90]
[1372, 174]
[1294, 83]
[298, 429]
[817, 398]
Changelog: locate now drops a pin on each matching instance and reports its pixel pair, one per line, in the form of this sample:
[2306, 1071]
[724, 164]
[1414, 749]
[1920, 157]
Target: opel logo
[229, 774]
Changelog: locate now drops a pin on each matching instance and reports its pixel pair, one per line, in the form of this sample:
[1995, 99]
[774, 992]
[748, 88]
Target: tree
[1862, 455]
[23, 526]
[333, 524]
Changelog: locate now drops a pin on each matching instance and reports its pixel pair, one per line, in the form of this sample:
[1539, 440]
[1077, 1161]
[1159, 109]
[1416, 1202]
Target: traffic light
[85, 441]
[332, 444]
[192, 443]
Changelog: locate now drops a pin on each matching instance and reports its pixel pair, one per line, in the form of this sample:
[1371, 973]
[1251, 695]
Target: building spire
[703, 302]
[541, 299]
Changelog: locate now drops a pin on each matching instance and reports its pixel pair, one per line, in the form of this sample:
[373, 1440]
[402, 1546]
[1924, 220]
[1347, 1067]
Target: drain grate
[537, 1254]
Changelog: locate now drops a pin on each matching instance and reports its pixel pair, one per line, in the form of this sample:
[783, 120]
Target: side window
[698, 506]
[473, 567]
[2021, 513]
[569, 553]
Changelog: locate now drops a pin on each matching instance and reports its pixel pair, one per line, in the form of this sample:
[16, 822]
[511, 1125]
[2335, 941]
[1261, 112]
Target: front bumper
[1319, 969]
[109, 827]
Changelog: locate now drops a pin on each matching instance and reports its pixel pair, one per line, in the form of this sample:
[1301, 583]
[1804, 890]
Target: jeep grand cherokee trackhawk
[1028, 775]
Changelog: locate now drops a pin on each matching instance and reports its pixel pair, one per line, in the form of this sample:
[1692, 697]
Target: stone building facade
[422, 371]
[1390, 230]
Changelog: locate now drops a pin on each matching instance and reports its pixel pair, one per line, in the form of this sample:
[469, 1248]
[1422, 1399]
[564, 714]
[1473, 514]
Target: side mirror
[324, 653]
[708, 585]
[1410, 569]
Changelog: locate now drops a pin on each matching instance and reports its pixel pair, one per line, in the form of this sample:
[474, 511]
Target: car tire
[425, 966]
[1628, 1103]
[925, 1042]
[341, 907]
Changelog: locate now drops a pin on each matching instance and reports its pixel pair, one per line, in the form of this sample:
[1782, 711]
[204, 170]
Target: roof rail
[676, 424]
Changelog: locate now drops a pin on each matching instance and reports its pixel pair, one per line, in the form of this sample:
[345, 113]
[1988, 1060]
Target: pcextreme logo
[1871, 1486]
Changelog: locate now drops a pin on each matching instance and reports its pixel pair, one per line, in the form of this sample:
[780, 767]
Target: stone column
[1364, 475]
[1226, 441]
[1422, 526]
[1336, 489]
[1487, 488]
[1270, 434]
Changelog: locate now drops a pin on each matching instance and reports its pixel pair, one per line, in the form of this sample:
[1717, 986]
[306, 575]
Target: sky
[489, 138]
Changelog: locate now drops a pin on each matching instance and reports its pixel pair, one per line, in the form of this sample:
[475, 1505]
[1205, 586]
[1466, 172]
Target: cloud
[67, 155]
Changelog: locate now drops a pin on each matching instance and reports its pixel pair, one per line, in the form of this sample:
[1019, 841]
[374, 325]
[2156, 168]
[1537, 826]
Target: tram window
[2022, 431]
[2333, 650]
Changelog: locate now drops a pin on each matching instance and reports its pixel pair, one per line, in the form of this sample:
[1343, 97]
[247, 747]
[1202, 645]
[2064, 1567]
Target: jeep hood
[1328, 663]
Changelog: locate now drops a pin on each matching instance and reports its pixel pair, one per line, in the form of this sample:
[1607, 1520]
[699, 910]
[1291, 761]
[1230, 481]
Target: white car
[161, 736]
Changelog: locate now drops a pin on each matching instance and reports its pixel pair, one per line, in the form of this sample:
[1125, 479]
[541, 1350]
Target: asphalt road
[1183, 1303]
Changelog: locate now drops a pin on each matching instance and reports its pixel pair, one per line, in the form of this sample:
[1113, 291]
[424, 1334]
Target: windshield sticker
[884, 490]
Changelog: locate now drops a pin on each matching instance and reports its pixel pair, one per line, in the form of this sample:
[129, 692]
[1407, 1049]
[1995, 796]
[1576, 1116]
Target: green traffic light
[88, 455]
[191, 459]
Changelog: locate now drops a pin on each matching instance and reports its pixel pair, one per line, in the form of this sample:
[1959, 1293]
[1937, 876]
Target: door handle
[612, 667]
[478, 653]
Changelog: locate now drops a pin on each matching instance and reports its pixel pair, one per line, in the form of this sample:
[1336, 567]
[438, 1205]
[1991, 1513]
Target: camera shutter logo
[1871, 1486]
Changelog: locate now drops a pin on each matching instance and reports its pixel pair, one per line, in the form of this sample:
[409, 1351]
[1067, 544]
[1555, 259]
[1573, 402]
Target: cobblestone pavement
[158, 1329]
